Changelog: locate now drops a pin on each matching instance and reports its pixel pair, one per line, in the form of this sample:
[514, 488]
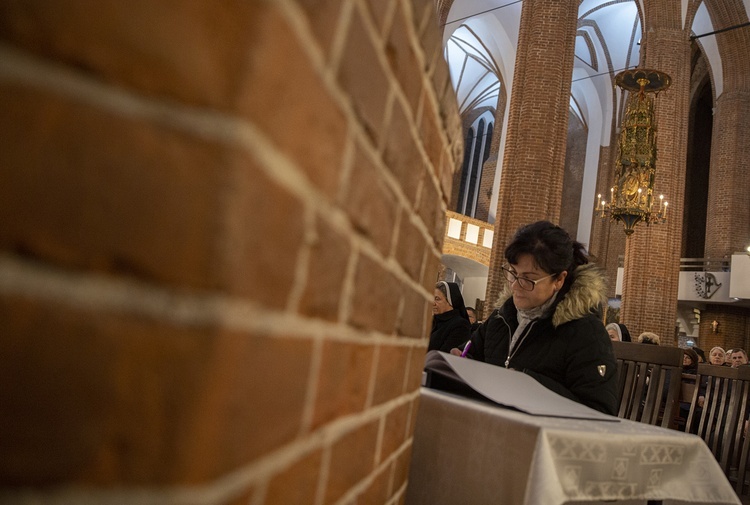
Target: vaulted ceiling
[480, 39]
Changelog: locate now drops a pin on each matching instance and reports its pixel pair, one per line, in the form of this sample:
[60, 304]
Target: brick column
[728, 213]
[652, 254]
[534, 157]
[220, 227]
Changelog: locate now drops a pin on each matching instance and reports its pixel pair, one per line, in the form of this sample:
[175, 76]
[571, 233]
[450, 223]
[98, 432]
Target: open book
[509, 388]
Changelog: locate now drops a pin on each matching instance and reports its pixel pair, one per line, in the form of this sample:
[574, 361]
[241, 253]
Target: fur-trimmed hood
[587, 294]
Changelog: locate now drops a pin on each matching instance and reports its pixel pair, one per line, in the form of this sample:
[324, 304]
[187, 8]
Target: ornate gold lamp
[631, 199]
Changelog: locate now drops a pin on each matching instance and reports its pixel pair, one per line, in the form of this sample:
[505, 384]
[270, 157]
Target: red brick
[430, 33]
[187, 50]
[431, 211]
[251, 401]
[431, 272]
[378, 10]
[410, 250]
[352, 459]
[87, 189]
[390, 374]
[415, 368]
[371, 204]
[395, 432]
[440, 79]
[244, 497]
[323, 16]
[342, 388]
[363, 79]
[401, 470]
[403, 60]
[120, 398]
[296, 484]
[412, 323]
[401, 155]
[377, 492]
[373, 283]
[329, 257]
[298, 113]
[412, 417]
[429, 129]
[261, 244]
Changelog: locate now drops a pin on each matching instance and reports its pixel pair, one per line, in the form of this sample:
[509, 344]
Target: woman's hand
[456, 351]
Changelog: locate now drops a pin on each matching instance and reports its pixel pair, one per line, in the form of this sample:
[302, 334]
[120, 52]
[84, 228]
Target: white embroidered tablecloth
[468, 452]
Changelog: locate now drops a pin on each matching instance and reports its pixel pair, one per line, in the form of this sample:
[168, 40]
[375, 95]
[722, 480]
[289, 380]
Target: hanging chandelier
[631, 199]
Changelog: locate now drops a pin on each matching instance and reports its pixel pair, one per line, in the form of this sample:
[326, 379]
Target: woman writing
[546, 324]
[450, 321]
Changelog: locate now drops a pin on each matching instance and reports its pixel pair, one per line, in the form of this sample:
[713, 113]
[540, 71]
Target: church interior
[221, 222]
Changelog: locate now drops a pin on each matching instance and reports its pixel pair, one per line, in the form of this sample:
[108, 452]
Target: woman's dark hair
[693, 357]
[701, 354]
[551, 247]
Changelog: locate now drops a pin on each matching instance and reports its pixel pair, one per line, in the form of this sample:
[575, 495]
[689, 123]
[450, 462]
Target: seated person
[473, 318]
[450, 321]
[648, 337]
[716, 356]
[701, 354]
[618, 332]
[690, 362]
[738, 357]
[545, 324]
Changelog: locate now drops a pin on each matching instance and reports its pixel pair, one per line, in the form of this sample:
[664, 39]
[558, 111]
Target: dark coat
[567, 350]
[449, 330]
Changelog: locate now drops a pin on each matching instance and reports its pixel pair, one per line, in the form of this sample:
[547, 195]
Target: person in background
[618, 332]
[738, 357]
[716, 356]
[689, 361]
[701, 354]
[450, 321]
[728, 357]
[690, 366]
[545, 322]
[473, 318]
[648, 337]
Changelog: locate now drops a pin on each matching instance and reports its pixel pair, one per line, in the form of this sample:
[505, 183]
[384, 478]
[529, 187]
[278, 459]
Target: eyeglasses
[523, 282]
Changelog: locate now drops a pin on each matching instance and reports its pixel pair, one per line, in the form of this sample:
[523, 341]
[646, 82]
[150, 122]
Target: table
[469, 452]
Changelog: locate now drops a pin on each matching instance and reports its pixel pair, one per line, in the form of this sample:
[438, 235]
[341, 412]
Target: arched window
[477, 150]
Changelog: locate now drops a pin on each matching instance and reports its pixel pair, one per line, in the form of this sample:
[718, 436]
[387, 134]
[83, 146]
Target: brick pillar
[534, 157]
[728, 213]
[220, 226]
[652, 254]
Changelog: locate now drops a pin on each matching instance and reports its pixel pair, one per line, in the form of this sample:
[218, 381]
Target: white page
[511, 388]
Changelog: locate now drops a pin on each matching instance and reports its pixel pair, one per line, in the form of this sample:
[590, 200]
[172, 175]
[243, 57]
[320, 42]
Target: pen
[466, 349]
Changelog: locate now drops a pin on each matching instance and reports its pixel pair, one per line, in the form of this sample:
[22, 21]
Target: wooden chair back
[649, 378]
[740, 442]
[721, 420]
[687, 390]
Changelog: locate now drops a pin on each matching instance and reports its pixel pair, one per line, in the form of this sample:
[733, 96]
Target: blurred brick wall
[219, 227]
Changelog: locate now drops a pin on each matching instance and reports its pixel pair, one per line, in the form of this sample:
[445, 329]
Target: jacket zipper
[523, 336]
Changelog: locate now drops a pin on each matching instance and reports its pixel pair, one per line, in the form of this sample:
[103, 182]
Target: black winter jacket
[567, 350]
[449, 330]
